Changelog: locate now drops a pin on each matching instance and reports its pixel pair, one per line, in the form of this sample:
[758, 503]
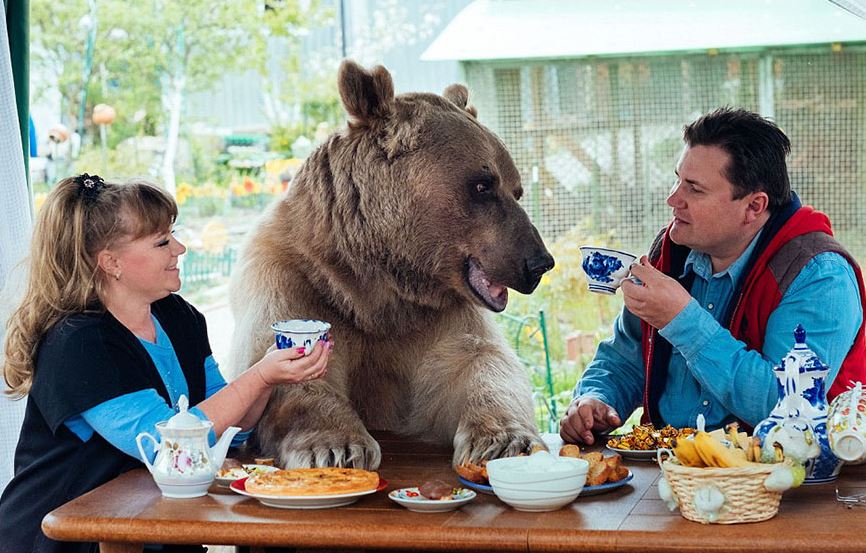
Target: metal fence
[597, 139]
[528, 335]
[202, 267]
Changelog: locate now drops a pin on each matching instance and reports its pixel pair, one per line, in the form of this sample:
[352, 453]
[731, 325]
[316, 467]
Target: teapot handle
[144, 456]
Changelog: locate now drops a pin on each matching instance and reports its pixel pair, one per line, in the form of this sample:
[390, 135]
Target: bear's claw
[475, 447]
[362, 453]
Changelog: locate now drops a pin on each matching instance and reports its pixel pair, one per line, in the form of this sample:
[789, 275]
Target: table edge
[433, 538]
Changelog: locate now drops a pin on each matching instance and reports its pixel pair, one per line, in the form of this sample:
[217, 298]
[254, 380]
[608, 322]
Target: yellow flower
[38, 200]
[184, 191]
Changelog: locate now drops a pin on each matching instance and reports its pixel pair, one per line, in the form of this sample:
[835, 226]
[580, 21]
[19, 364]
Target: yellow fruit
[753, 452]
[686, 452]
[731, 434]
[715, 454]
[738, 439]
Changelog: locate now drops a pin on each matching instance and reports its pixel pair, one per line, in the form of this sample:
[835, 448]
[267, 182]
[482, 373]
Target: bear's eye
[482, 187]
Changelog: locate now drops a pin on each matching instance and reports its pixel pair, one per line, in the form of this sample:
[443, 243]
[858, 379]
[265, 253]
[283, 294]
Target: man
[724, 286]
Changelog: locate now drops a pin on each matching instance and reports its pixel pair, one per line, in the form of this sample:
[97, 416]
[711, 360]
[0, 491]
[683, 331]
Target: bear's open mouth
[495, 296]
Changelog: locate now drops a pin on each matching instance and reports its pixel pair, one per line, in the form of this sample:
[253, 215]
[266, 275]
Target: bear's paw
[483, 444]
[329, 449]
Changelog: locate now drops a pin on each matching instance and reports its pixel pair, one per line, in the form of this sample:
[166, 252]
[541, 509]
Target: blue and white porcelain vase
[798, 422]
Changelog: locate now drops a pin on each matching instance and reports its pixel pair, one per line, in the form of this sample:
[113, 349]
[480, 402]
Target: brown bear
[404, 232]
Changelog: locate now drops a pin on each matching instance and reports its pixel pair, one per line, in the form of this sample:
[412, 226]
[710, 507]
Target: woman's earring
[117, 275]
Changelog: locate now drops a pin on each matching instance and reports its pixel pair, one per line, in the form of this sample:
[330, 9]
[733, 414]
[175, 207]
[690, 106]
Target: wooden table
[129, 511]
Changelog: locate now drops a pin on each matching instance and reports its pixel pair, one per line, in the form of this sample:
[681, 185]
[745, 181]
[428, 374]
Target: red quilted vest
[761, 294]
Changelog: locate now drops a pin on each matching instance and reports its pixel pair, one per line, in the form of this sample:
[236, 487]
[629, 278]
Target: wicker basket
[745, 497]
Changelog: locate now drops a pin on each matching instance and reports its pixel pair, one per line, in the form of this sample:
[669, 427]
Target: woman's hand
[290, 366]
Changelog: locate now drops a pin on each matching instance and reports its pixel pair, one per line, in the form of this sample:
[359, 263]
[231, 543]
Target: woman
[103, 349]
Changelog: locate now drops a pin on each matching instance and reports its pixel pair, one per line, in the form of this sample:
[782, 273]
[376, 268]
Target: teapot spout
[219, 450]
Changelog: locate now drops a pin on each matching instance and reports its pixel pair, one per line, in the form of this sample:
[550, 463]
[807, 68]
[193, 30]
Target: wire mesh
[597, 139]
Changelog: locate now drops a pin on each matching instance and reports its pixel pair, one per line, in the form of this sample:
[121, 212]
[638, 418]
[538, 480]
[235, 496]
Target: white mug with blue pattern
[605, 268]
[300, 333]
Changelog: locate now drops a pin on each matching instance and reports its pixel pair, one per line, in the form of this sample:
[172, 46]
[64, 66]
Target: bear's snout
[536, 266]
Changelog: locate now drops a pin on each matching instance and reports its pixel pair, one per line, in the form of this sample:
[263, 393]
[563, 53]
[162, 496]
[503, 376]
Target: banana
[753, 452]
[737, 438]
[731, 434]
[686, 452]
[715, 454]
[779, 452]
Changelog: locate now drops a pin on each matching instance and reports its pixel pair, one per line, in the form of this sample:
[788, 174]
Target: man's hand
[658, 299]
[584, 416]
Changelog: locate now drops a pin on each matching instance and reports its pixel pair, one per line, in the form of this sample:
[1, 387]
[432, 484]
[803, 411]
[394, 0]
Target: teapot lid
[800, 338]
[809, 360]
[183, 420]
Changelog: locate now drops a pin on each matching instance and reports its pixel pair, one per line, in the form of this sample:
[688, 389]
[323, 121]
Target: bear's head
[427, 195]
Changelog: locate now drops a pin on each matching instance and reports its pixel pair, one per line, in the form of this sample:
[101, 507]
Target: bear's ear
[459, 95]
[366, 95]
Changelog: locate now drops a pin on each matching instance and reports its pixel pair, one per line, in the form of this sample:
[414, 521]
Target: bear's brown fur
[402, 231]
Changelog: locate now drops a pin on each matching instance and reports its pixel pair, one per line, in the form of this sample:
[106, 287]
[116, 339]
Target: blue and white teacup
[605, 268]
[300, 333]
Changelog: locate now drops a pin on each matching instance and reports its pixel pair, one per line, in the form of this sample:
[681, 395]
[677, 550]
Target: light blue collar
[701, 264]
[162, 340]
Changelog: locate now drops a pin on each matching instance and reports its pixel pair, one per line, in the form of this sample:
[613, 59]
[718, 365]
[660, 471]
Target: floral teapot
[798, 423]
[185, 465]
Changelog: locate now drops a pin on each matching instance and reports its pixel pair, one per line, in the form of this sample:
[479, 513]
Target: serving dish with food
[606, 473]
[643, 441]
[311, 488]
[432, 497]
[480, 487]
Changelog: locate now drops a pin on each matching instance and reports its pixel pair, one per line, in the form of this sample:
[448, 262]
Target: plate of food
[231, 472]
[605, 473]
[635, 454]
[643, 441]
[314, 488]
[475, 476]
[607, 486]
[480, 487]
[432, 497]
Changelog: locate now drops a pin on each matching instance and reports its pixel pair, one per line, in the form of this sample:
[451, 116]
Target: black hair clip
[89, 187]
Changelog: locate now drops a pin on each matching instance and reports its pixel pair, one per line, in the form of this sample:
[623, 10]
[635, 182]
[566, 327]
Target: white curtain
[15, 225]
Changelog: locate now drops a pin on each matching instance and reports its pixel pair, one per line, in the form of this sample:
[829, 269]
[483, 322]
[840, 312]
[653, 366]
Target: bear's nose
[539, 264]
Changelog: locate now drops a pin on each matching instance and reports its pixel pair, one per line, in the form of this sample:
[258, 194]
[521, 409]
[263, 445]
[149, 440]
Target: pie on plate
[312, 482]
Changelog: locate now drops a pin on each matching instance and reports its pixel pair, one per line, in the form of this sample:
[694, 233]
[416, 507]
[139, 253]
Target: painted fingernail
[301, 350]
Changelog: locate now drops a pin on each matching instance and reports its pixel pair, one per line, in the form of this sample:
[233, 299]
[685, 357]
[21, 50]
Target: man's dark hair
[757, 148]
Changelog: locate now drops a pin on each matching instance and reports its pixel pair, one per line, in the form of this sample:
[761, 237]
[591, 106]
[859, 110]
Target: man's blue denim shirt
[710, 372]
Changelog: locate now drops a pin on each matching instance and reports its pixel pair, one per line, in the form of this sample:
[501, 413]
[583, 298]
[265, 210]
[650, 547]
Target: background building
[591, 98]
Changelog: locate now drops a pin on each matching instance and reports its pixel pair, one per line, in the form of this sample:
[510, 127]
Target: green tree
[60, 34]
[148, 56]
[184, 47]
[303, 94]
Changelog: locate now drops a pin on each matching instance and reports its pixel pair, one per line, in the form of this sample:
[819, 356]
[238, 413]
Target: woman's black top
[85, 360]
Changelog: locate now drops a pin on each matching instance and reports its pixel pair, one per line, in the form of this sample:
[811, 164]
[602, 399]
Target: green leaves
[143, 48]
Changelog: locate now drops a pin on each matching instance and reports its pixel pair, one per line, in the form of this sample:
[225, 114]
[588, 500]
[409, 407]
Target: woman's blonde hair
[82, 216]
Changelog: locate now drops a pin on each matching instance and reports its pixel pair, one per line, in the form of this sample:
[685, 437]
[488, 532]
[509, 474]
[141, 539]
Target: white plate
[412, 499]
[636, 454]
[247, 470]
[304, 501]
